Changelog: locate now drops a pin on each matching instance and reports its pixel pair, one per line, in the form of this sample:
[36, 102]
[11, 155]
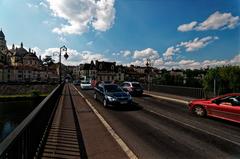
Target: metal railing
[178, 90]
[24, 141]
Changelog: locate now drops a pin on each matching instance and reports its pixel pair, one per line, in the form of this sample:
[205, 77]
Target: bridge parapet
[25, 140]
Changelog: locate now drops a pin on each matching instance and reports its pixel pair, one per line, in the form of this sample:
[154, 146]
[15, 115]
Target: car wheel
[199, 111]
[105, 103]
[95, 96]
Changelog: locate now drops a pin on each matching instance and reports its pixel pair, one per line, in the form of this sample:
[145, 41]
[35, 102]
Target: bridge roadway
[76, 131]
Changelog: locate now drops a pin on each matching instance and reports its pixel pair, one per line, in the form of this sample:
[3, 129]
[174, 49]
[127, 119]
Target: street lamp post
[63, 48]
[148, 63]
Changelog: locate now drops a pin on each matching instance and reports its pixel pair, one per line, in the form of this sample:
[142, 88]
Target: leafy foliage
[48, 60]
[227, 79]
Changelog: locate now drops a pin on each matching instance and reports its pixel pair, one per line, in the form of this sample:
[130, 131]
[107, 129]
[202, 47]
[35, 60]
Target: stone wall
[6, 89]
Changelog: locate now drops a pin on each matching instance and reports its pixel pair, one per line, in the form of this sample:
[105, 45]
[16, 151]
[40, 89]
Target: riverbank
[25, 89]
[21, 92]
[24, 97]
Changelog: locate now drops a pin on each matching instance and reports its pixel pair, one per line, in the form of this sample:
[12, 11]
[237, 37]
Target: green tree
[227, 79]
[48, 60]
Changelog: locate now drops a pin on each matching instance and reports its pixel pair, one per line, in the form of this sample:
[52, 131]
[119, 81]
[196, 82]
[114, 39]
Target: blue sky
[183, 34]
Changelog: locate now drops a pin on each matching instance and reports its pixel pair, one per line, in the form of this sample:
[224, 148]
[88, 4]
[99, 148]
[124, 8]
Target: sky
[172, 34]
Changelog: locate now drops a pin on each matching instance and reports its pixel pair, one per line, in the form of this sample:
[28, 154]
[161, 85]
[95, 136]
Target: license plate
[123, 102]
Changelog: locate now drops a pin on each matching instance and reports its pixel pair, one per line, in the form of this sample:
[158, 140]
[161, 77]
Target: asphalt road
[154, 128]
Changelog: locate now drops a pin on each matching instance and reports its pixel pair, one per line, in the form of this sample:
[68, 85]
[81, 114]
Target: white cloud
[82, 14]
[235, 60]
[62, 40]
[138, 63]
[75, 57]
[105, 15]
[30, 5]
[186, 62]
[147, 53]
[158, 63]
[126, 53]
[43, 4]
[90, 43]
[170, 52]
[187, 27]
[215, 21]
[197, 43]
[116, 54]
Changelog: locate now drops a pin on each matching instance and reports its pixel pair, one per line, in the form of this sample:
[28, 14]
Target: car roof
[232, 94]
[228, 94]
[109, 84]
[130, 82]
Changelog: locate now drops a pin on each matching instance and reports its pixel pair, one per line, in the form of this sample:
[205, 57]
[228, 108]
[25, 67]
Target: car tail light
[130, 88]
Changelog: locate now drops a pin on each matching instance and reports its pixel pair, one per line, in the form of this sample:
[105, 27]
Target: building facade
[21, 65]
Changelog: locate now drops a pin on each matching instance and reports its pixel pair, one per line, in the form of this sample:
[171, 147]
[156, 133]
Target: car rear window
[136, 85]
[85, 82]
[112, 88]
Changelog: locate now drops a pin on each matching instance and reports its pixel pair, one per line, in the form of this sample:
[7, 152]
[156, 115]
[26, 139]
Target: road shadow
[133, 107]
[230, 123]
[215, 120]
[144, 95]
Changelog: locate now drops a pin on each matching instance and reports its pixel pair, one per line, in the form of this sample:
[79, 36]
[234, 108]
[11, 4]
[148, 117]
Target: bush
[35, 93]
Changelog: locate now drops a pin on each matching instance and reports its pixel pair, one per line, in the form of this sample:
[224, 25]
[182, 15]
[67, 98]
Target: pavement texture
[98, 142]
[170, 97]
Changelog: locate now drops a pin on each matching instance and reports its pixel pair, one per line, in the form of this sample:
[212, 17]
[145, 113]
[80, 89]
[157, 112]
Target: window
[112, 88]
[100, 88]
[235, 100]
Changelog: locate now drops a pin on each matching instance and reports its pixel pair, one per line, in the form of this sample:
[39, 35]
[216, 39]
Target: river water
[12, 113]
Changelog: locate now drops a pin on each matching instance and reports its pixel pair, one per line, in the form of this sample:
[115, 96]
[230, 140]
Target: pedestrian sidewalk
[170, 97]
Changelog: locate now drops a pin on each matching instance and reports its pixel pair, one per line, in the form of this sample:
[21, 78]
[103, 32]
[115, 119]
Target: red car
[225, 107]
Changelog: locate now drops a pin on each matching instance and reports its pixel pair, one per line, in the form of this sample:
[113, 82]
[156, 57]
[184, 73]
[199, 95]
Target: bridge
[69, 123]
[54, 130]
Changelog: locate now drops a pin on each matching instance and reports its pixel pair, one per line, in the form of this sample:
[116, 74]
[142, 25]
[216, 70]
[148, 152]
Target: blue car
[112, 94]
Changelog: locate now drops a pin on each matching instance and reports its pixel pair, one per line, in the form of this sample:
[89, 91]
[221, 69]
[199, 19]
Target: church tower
[3, 45]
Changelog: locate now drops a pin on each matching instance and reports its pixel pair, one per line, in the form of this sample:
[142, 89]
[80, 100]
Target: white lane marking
[167, 98]
[122, 144]
[193, 127]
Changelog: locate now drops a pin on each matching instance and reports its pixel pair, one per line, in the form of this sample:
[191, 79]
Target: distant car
[85, 85]
[225, 107]
[112, 94]
[134, 88]
[76, 82]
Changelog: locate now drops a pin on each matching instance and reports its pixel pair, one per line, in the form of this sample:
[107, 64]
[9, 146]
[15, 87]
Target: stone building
[88, 71]
[21, 65]
[102, 71]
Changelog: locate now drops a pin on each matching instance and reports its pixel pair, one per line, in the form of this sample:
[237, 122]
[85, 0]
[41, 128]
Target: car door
[100, 93]
[226, 108]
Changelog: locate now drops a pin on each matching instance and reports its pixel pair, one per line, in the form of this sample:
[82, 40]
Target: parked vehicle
[85, 85]
[134, 88]
[112, 94]
[76, 82]
[225, 107]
